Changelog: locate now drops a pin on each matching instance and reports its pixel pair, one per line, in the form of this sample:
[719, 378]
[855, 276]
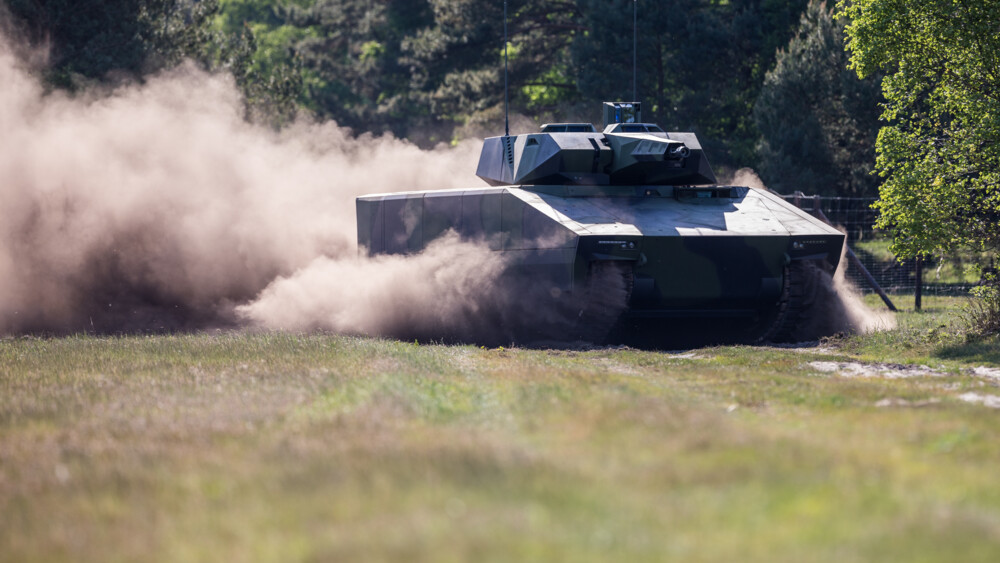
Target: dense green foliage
[816, 118]
[939, 151]
[431, 70]
[416, 69]
[89, 40]
[423, 69]
[702, 63]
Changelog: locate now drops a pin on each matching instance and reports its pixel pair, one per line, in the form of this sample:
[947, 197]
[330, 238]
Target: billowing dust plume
[157, 207]
[452, 291]
[860, 317]
[836, 304]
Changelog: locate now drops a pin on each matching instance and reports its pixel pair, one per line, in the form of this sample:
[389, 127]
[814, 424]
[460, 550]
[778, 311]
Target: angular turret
[626, 152]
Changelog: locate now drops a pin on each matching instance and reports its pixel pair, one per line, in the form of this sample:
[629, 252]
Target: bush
[982, 314]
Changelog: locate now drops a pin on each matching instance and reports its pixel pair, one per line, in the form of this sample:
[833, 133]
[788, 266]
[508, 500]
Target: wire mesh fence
[944, 276]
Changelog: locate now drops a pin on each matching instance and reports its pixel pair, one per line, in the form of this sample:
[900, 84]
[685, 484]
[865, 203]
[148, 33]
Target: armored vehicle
[627, 230]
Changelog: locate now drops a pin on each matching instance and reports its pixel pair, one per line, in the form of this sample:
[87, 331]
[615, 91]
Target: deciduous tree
[939, 151]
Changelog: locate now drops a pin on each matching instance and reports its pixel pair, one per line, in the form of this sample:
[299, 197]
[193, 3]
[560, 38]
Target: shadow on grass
[980, 351]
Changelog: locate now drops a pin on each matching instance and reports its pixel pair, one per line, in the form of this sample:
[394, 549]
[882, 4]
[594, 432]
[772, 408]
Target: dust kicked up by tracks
[833, 303]
[157, 207]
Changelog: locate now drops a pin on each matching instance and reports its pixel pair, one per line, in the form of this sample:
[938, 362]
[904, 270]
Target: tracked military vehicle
[628, 231]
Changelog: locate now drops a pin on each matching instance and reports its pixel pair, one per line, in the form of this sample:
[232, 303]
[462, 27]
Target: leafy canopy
[939, 151]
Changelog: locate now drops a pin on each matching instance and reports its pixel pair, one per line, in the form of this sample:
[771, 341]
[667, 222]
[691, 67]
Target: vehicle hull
[715, 257]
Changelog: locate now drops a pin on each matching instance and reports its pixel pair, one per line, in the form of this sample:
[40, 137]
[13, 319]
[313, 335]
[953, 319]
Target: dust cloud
[857, 316]
[157, 207]
[747, 177]
[454, 291]
[441, 293]
[836, 304]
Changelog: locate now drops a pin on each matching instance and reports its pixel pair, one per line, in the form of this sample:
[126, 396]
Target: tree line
[763, 82]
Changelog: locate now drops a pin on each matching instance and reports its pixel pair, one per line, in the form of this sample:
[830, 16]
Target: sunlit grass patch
[936, 335]
[275, 446]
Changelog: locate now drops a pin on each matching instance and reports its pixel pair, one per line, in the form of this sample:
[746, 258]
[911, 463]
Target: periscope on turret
[570, 204]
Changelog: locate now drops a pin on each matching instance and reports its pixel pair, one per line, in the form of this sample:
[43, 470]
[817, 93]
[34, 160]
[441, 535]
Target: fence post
[920, 282]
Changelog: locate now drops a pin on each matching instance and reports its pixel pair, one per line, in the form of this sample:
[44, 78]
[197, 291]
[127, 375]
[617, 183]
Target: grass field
[280, 447]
